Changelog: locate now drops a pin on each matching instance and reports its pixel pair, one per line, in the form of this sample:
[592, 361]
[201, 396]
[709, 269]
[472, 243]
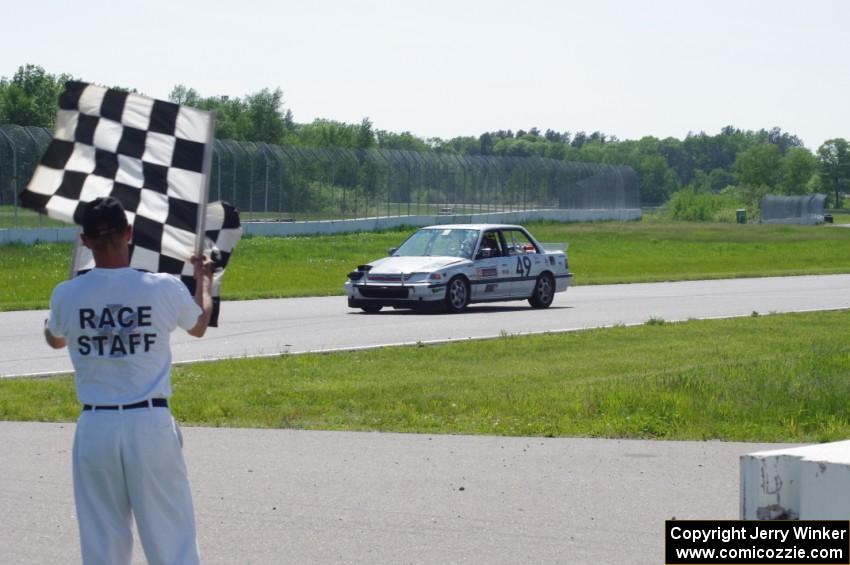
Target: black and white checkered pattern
[147, 153]
[223, 232]
[150, 155]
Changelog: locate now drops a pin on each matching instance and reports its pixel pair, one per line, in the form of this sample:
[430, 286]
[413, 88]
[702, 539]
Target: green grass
[766, 378]
[270, 267]
[30, 272]
[23, 218]
[600, 253]
[610, 252]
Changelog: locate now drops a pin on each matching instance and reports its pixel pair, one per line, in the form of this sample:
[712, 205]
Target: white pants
[130, 463]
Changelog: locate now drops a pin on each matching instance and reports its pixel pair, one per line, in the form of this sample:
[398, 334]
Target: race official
[127, 457]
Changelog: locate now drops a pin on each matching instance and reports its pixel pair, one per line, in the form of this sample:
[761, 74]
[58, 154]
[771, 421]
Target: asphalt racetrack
[295, 496]
[296, 325]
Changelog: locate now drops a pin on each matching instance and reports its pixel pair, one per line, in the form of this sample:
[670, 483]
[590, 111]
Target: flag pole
[205, 182]
[75, 254]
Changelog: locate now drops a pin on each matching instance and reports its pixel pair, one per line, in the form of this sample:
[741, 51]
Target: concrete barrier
[802, 220]
[34, 235]
[31, 236]
[382, 223]
[807, 483]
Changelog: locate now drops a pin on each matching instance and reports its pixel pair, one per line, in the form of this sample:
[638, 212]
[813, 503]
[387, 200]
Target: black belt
[153, 402]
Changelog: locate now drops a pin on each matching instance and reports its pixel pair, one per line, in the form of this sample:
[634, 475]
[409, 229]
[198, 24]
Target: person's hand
[203, 267]
[203, 288]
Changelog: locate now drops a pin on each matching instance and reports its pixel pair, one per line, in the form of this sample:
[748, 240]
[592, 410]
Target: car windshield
[439, 242]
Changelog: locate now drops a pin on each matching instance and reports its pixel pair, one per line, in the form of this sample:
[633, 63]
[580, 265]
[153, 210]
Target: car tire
[371, 309]
[457, 295]
[544, 291]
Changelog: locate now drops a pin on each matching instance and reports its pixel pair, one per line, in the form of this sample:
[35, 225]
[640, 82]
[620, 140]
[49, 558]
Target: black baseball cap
[103, 216]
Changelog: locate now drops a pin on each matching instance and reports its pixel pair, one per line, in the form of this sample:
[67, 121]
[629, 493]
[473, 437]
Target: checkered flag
[151, 155]
[223, 232]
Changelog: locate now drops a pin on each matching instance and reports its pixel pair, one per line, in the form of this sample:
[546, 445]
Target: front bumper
[421, 295]
[563, 282]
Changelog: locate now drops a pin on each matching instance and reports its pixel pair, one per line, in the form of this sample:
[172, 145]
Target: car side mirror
[392, 250]
[484, 253]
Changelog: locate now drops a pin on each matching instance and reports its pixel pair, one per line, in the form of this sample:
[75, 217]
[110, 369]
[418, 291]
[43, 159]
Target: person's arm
[52, 340]
[203, 294]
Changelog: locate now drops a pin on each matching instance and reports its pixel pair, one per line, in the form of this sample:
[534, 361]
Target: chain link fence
[281, 183]
[807, 209]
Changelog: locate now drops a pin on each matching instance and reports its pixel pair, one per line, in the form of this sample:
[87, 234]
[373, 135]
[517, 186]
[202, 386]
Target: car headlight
[414, 277]
[436, 277]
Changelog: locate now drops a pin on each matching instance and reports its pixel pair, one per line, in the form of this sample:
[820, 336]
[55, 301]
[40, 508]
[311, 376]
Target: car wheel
[371, 309]
[457, 295]
[544, 291]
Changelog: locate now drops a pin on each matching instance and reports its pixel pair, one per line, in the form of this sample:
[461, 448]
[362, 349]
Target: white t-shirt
[117, 323]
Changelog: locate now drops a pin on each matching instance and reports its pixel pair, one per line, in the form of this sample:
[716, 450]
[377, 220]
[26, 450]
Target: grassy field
[23, 218]
[29, 273]
[764, 378]
[604, 252]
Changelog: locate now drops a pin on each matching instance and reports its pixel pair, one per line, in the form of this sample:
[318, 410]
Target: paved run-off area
[294, 496]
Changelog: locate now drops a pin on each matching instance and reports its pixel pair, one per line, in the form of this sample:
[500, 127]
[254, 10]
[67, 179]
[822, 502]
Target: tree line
[734, 161]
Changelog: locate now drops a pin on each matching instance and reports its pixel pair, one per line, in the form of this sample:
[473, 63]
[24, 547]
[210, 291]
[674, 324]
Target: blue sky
[446, 68]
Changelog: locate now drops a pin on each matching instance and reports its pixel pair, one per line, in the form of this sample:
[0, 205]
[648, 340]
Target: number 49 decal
[523, 266]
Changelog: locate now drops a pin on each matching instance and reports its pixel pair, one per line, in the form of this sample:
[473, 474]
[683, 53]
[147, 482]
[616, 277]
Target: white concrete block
[31, 236]
[808, 483]
[387, 222]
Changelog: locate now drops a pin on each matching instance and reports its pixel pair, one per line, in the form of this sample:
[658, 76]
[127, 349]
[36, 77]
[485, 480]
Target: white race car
[451, 266]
